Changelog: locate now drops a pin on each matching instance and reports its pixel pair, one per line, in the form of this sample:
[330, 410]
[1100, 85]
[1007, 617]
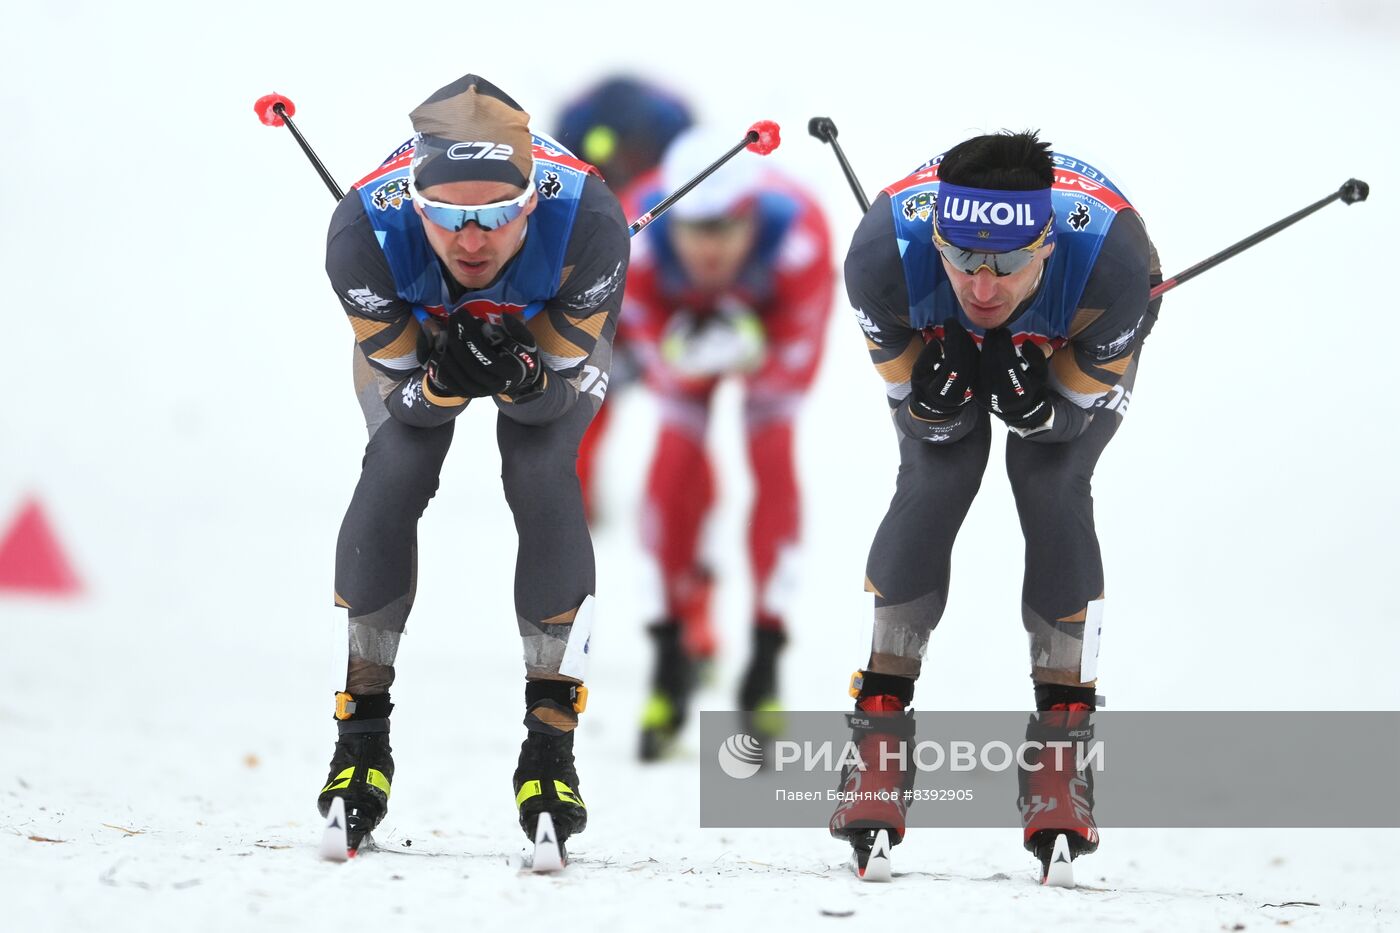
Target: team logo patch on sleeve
[919, 206]
[550, 185]
[1079, 217]
[367, 301]
[595, 294]
[1118, 344]
[866, 324]
[390, 195]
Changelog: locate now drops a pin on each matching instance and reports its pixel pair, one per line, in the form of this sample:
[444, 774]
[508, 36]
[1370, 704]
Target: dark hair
[1004, 161]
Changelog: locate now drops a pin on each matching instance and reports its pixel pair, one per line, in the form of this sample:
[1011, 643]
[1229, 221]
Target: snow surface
[180, 400]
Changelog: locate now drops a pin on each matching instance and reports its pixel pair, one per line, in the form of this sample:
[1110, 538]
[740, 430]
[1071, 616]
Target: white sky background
[178, 369]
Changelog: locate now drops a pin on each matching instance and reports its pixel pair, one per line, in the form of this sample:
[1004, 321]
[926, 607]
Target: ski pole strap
[373, 706]
[872, 683]
[571, 695]
[359, 726]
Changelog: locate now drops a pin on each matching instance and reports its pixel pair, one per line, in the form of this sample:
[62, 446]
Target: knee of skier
[1045, 479]
[402, 465]
[764, 408]
[536, 482]
[685, 414]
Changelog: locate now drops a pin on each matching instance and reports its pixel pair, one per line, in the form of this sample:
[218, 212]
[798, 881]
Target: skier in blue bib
[479, 262]
[1000, 283]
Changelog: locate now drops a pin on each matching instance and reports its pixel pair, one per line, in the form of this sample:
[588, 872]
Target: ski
[335, 839]
[1057, 865]
[549, 855]
[873, 864]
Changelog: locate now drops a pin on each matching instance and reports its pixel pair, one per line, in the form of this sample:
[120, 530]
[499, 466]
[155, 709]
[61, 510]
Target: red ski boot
[874, 796]
[1056, 794]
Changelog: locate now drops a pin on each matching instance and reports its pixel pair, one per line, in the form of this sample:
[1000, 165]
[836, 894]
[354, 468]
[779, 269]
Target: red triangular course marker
[31, 559]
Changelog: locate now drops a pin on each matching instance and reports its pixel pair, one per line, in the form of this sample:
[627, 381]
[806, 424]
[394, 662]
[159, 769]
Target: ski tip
[877, 864]
[1059, 871]
[335, 843]
[549, 853]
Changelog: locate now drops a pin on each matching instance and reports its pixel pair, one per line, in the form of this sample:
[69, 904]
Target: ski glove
[730, 340]
[944, 374]
[1011, 382]
[473, 358]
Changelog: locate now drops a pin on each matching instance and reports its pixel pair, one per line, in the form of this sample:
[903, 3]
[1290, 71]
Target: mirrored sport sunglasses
[973, 261]
[454, 217]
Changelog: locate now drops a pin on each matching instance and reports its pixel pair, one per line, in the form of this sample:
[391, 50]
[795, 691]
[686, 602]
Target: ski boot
[362, 766]
[758, 693]
[875, 798]
[545, 779]
[673, 682]
[1056, 796]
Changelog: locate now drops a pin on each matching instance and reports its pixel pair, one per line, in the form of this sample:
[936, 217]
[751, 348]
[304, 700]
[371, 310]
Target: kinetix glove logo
[1015, 383]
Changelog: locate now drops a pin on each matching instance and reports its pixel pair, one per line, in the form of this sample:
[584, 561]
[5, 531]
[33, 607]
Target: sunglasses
[724, 225]
[453, 217]
[972, 261]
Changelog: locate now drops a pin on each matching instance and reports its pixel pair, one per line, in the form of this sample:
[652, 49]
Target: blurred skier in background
[451, 301]
[736, 281]
[621, 126]
[999, 281]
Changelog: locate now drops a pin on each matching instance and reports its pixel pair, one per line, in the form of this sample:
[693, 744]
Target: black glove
[943, 374]
[475, 358]
[1011, 383]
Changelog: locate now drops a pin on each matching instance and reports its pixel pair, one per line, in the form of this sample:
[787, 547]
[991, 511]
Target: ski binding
[550, 855]
[1058, 870]
[873, 864]
[335, 841]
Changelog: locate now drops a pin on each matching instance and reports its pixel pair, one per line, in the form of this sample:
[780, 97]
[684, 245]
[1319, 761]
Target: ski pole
[1351, 191]
[761, 138]
[277, 110]
[825, 130]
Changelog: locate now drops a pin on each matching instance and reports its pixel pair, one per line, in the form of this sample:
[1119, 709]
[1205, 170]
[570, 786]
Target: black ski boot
[362, 766]
[545, 778]
[673, 681]
[758, 694]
